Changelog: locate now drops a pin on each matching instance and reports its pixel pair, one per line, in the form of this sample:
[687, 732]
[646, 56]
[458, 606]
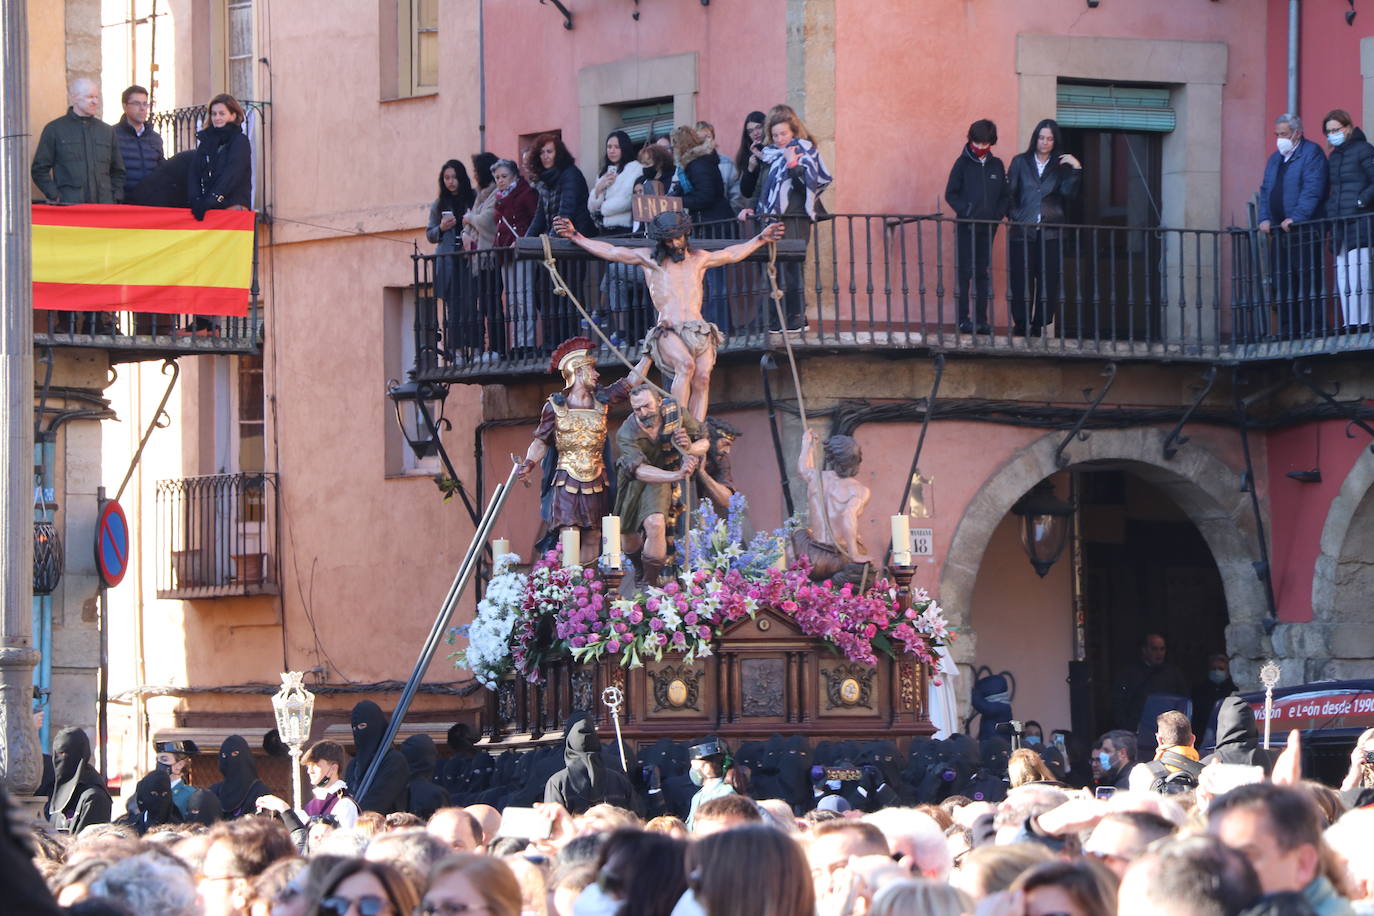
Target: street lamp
[1044, 525]
[420, 414]
[47, 558]
[294, 706]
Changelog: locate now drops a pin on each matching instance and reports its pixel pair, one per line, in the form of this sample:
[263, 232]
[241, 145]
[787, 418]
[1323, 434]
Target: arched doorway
[1338, 642]
[1173, 541]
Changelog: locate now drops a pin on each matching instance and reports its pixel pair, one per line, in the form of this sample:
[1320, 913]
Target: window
[408, 53]
[1115, 107]
[239, 48]
[643, 120]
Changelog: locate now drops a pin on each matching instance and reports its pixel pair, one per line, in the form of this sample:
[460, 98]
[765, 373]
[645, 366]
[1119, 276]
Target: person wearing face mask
[710, 761]
[174, 759]
[79, 796]
[1293, 192]
[239, 790]
[1115, 757]
[978, 192]
[152, 804]
[1216, 687]
[387, 793]
[636, 872]
[1348, 205]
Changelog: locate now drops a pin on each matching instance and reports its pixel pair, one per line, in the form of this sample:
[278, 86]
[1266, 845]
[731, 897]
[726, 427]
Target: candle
[571, 539]
[780, 563]
[901, 540]
[500, 547]
[610, 540]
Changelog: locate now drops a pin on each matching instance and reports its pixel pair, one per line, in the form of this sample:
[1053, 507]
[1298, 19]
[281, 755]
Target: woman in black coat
[1349, 200]
[452, 279]
[562, 192]
[1041, 180]
[221, 174]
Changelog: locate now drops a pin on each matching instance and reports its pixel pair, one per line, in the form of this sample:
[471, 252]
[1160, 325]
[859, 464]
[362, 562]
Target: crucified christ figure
[681, 342]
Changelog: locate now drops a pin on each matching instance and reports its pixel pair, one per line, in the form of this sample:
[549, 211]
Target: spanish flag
[117, 258]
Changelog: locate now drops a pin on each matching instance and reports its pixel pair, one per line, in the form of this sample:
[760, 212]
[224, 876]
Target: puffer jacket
[700, 185]
[1350, 191]
[141, 152]
[1040, 198]
[562, 192]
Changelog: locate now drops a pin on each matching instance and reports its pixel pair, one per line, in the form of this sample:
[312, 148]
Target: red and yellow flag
[118, 258]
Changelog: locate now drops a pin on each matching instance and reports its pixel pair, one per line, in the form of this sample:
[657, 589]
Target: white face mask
[593, 901]
[1284, 144]
[687, 905]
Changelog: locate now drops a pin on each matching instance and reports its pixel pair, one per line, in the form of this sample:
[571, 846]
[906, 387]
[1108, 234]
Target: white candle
[780, 563]
[901, 540]
[500, 547]
[571, 539]
[610, 540]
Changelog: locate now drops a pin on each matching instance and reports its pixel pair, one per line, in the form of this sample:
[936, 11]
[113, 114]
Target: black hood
[422, 755]
[1236, 725]
[203, 807]
[369, 727]
[71, 755]
[581, 756]
[154, 799]
[239, 771]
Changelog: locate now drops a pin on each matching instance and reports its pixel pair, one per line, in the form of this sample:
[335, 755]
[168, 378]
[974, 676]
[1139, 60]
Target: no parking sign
[111, 543]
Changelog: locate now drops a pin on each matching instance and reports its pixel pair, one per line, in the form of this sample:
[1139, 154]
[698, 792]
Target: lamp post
[294, 706]
[1044, 525]
[420, 414]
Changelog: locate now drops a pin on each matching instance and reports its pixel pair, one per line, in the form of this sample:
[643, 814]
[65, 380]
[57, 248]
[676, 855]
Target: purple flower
[656, 624]
[679, 639]
[613, 646]
[690, 618]
[636, 616]
[578, 642]
[704, 632]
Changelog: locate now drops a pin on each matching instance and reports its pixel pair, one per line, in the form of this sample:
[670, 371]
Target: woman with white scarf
[790, 190]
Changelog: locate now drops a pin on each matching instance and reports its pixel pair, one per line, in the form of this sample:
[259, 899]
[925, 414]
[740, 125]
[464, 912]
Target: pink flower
[704, 632]
[613, 646]
[636, 616]
[690, 618]
[656, 624]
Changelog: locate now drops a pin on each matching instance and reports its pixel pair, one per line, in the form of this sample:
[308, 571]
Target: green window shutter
[1115, 108]
[643, 121]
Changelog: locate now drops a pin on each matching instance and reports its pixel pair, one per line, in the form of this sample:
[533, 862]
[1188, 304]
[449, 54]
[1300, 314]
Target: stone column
[20, 760]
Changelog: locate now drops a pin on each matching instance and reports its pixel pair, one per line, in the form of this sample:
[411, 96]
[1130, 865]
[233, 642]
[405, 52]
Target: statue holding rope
[682, 343]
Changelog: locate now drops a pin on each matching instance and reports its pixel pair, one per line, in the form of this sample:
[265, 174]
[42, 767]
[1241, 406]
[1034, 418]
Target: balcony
[216, 536]
[132, 337]
[884, 282]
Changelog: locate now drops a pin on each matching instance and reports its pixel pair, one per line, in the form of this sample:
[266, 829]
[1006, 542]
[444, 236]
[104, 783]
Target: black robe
[79, 797]
[583, 781]
[423, 795]
[152, 803]
[387, 793]
[240, 789]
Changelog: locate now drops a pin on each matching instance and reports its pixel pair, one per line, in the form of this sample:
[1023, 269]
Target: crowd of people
[496, 306]
[765, 829]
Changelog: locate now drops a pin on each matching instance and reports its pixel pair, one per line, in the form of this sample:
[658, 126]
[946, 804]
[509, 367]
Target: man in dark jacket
[423, 795]
[1293, 192]
[139, 145]
[1238, 737]
[1152, 673]
[583, 781]
[387, 793]
[79, 797]
[78, 160]
[977, 190]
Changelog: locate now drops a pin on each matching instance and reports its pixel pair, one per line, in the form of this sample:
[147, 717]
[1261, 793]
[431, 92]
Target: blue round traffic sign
[111, 544]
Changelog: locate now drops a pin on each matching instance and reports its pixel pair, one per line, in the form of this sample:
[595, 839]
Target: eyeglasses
[447, 908]
[367, 905]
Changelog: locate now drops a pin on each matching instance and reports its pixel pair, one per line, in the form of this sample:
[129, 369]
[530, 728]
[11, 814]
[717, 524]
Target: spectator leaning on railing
[139, 144]
[1351, 173]
[78, 160]
[1293, 192]
[221, 176]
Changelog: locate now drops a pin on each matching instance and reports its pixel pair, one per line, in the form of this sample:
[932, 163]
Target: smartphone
[524, 823]
[1103, 792]
[446, 214]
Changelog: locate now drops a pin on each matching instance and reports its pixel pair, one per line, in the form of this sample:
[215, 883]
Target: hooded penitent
[584, 781]
[239, 790]
[425, 795]
[387, 791]
[1238, 736]
[153, 802]
[992, 698]
[203, 808]
[79, 797]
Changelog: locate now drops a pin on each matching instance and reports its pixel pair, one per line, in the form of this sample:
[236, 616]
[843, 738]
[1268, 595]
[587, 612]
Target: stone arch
[1339, 632]
[1203, 486]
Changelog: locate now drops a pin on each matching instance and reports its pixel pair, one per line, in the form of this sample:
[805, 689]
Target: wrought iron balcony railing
[873, 281]
[216, 536]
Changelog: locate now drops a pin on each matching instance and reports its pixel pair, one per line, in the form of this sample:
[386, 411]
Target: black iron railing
[178, 126]
[132, 336]
[216, 536]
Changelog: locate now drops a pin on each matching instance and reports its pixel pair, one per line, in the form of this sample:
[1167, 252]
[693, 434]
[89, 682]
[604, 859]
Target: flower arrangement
[525, 619]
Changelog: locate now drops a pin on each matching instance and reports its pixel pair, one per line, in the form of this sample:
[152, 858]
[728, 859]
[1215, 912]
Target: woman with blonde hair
[467, 882]
[920, 898]
[1025, 766]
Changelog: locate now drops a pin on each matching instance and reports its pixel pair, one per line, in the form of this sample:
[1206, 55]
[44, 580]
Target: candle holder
[612, 577]
[903, 574]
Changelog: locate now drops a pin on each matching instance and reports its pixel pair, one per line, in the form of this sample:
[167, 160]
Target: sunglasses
[367, 905]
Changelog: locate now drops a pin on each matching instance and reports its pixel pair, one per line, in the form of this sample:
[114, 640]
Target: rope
[561, 288]
[777, 295]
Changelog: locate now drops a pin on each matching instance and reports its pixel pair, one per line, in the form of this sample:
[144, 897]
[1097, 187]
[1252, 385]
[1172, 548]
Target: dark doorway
[1147, 569]
[1112, 274]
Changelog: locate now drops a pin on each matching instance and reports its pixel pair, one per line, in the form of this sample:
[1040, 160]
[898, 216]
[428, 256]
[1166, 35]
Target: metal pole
[20, 757]
[1294, 10]
[296, 776]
